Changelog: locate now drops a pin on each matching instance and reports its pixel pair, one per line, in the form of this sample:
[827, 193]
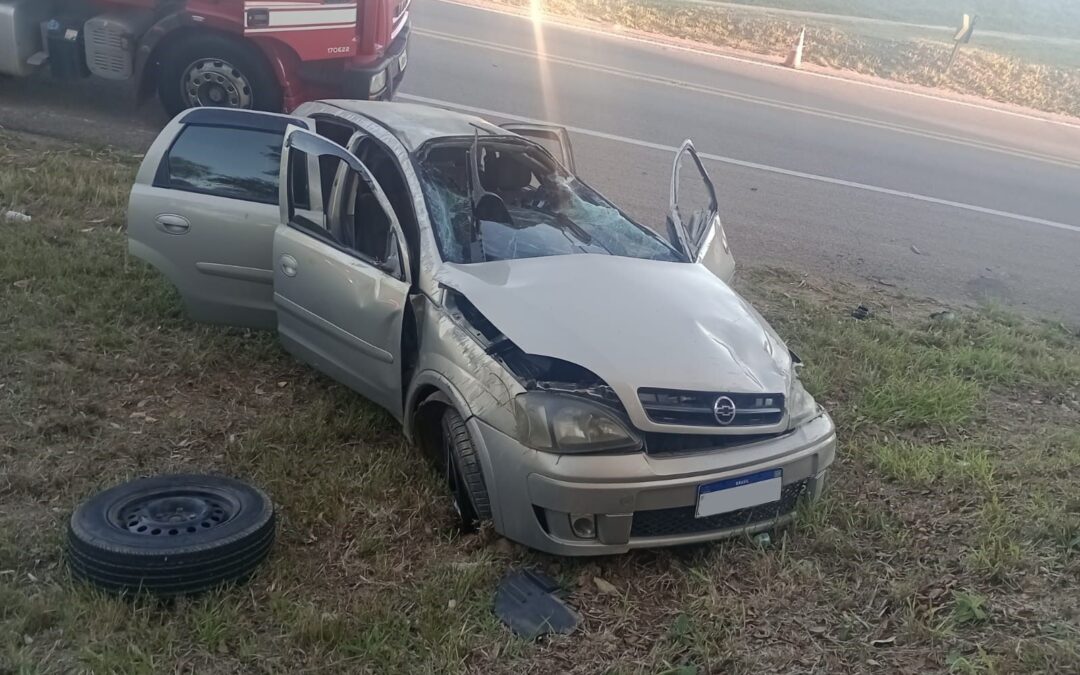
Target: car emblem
[724, 411]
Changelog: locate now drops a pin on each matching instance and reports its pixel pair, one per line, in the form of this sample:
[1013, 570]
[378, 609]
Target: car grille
[681, 520]
[695, 408]
[660, 444]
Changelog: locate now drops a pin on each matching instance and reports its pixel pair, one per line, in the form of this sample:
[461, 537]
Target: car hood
[635, 323]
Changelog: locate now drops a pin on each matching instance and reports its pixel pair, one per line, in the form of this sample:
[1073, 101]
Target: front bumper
[351, 80]
[637, 500]
[356, 82]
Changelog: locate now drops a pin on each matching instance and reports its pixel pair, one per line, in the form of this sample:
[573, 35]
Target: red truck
[259, 54]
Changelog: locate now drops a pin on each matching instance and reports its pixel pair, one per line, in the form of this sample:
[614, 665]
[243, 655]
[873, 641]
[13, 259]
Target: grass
[1041, 17]
[948, 540]
[1028, 73]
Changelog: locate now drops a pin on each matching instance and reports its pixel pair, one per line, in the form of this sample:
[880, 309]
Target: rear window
[225, 162]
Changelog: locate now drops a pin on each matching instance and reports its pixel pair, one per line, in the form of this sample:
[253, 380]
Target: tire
[463, 471]
[209, 531]
[234, 62]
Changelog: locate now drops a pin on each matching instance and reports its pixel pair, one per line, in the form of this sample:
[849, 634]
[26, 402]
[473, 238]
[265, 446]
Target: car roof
[415, 124]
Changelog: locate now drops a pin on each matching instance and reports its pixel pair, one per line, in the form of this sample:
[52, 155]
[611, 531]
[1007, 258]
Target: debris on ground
[762, 540]
[605, 586]
[16, 217]
[944, 315]
[915, 250]
[861, 312]
[525, 601]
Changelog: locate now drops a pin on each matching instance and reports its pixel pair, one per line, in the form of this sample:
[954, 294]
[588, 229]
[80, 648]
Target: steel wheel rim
[216, 83]
[173, 513]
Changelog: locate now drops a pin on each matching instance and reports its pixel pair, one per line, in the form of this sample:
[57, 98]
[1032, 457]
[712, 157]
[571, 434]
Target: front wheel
[464, 474]
[213, 70]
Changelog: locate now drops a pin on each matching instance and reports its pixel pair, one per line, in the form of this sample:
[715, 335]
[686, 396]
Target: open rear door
[554, 139]
[315, 29]
[694, 216]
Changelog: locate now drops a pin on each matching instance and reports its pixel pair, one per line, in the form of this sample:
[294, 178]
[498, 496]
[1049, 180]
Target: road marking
[749, 98]
[750, 165]
[613, 33]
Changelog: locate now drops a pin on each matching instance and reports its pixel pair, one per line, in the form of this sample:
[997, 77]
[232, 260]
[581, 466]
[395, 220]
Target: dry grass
[948, 540]
[997, 74]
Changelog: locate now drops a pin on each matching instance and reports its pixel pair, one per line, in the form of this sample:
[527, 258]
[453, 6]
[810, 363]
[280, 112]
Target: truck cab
[246, 54]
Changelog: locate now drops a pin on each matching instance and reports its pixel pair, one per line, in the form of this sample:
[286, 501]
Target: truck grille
[681, 520]
[695, 408]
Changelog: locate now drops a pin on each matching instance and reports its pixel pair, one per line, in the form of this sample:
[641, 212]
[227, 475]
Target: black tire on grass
[171, 535]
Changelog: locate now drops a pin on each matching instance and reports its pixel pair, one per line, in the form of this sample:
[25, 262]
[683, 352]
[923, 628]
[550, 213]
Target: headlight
[556, 423]
[801, 405]
[378, 82]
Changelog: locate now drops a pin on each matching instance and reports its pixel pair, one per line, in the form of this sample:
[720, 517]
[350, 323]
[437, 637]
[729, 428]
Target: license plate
[740, 492]
[403, 60]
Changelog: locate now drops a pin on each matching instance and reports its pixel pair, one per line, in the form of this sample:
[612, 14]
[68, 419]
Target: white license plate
[740, 492]
[403, 60]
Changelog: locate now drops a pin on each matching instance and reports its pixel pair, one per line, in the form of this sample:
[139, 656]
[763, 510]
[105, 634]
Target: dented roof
[414, 124]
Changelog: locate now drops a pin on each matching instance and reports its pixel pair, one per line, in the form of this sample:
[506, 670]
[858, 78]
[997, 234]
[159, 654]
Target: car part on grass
[525, 601]
[171, 535]
[861, 312]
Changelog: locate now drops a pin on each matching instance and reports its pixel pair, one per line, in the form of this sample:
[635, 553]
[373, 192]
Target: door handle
[170, 223]
[288, 265]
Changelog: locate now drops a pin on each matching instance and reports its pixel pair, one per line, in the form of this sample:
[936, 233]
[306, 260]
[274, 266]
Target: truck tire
[214, 70]
[463, 471]
[170, 535]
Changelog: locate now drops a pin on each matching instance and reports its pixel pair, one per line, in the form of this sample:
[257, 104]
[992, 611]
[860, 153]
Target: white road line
[749, 165]
[610, 33]
[749, 98]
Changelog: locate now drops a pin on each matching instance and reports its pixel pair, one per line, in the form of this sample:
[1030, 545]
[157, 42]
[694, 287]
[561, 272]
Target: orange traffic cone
[794, 59]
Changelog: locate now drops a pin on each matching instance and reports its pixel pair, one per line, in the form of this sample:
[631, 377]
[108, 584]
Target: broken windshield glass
[531, 207]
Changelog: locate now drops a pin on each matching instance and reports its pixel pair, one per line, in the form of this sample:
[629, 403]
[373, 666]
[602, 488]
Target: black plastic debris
[525, 601]
[861, 312]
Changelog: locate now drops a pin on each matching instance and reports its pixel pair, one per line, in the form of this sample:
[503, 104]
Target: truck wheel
[463, 471]
[212, 70]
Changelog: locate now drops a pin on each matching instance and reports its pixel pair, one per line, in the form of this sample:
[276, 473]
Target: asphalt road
[940, 198]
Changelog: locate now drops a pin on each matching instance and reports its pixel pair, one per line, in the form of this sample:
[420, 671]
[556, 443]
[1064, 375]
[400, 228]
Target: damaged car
[584, 382]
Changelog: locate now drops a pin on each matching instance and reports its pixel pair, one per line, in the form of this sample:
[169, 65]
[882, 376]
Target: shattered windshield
[525, 206]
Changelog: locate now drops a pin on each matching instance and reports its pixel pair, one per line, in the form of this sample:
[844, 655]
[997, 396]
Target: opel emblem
[724, 411]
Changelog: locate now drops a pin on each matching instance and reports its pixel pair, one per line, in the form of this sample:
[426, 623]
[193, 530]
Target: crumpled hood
[635, 323]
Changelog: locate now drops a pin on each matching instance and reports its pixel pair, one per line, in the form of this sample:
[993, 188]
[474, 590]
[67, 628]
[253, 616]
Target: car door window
[364, 224]
[225, 162]
[358, 218]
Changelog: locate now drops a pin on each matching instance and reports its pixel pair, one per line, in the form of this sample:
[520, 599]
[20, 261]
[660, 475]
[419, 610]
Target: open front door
[694, 216]
[341, 279]
[554, 139]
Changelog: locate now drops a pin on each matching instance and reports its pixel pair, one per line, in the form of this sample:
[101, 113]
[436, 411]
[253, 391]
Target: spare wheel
[171, 535]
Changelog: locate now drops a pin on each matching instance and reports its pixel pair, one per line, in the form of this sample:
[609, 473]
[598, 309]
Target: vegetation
[1057, 18]
[948, 539]
[1027, 73]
